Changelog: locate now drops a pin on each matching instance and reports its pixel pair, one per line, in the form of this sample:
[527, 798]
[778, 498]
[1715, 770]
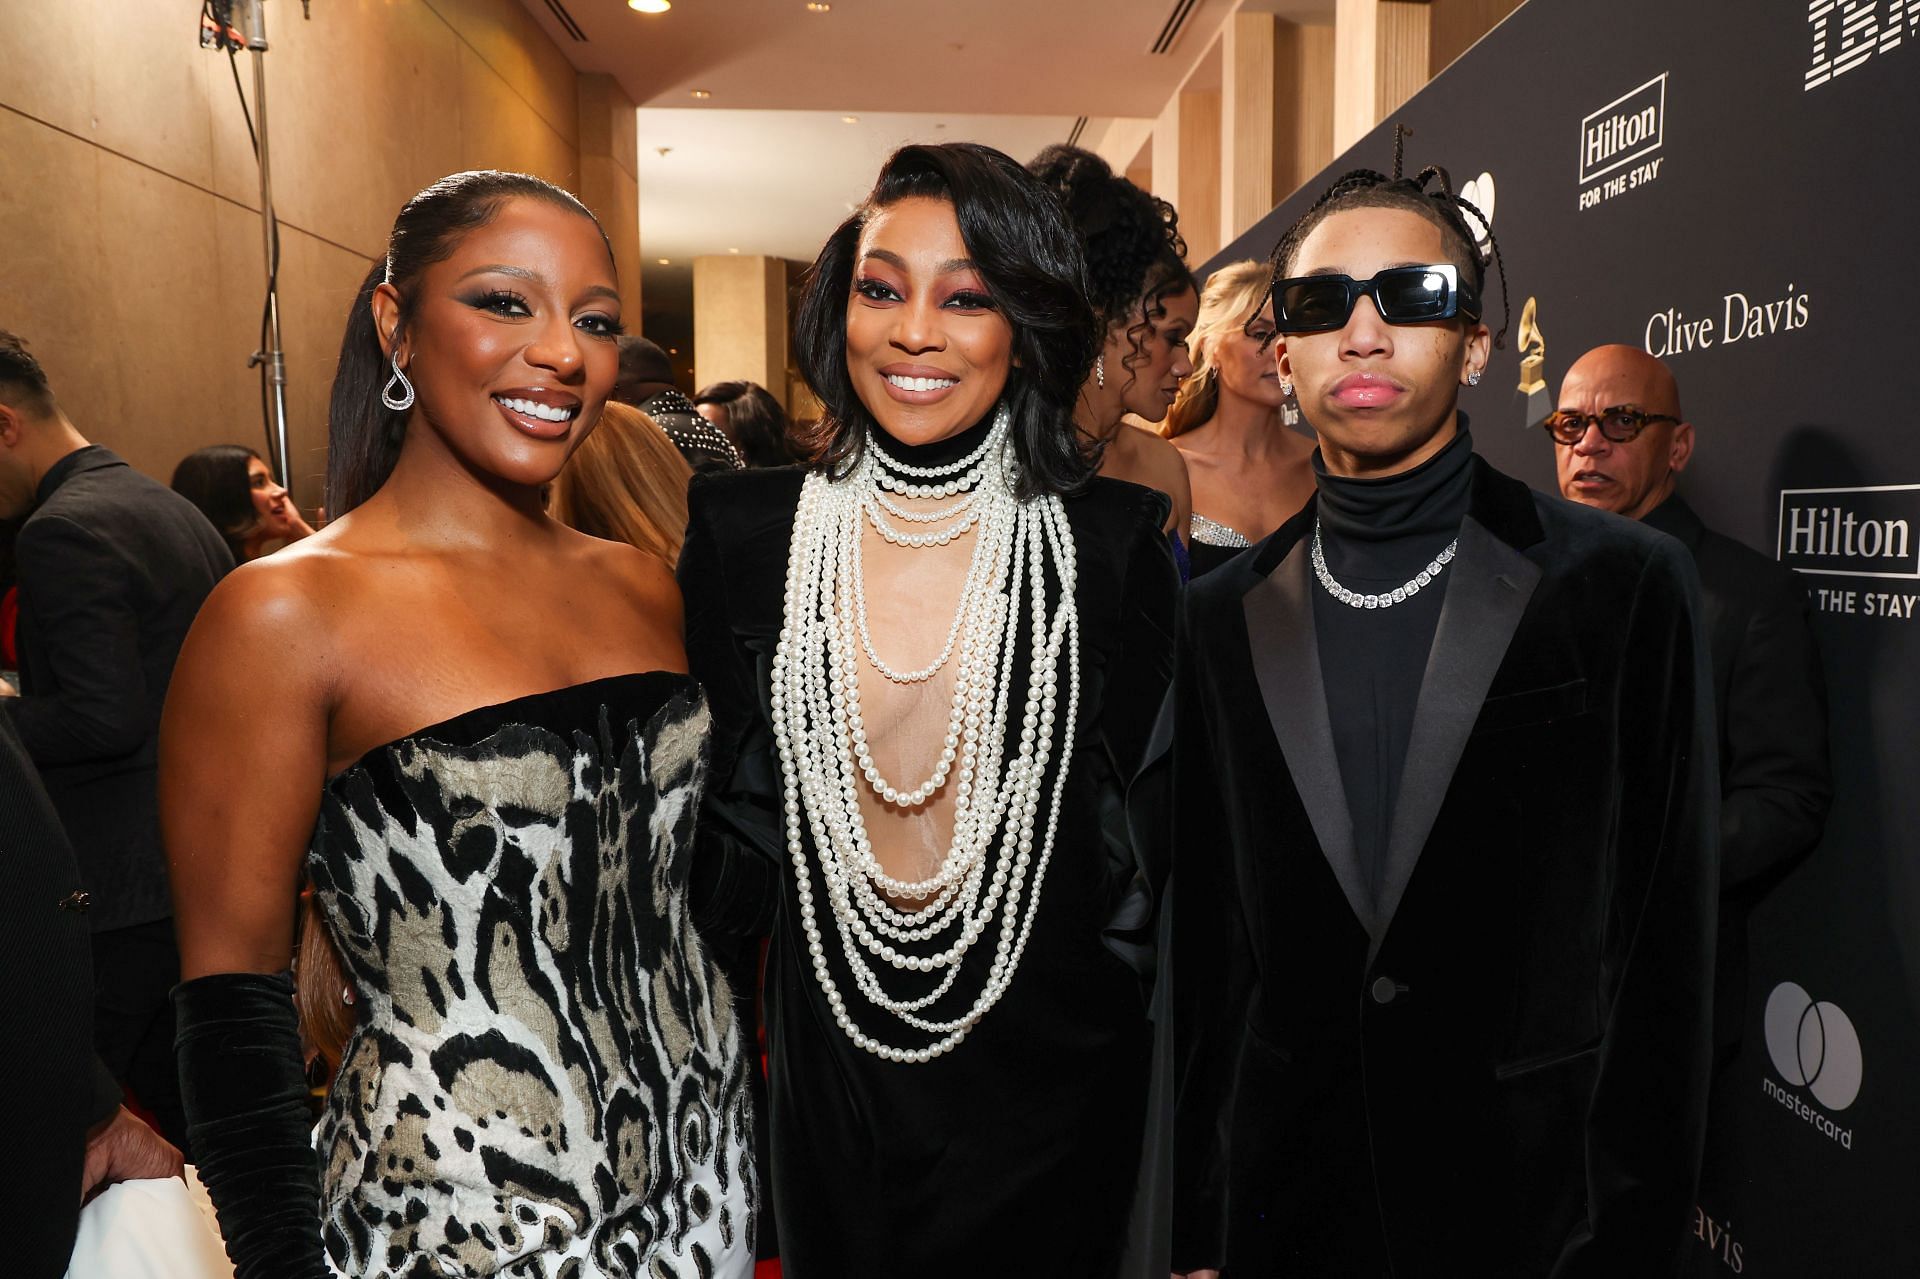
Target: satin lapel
[1286, 661]
[1491, 585]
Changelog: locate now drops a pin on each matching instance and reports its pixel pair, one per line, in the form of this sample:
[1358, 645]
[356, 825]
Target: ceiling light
[818, 6]
[666, 261]
[673, 350]
[849, 119]
[733, 250]
[703, 93]
[650, 6]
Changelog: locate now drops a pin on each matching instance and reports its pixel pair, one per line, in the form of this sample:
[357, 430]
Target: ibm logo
[1848, 32]
[1628, 128]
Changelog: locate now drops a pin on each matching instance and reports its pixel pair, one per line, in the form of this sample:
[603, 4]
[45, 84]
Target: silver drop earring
[402, 400]
[1473, 378]
[1286, 387]
[1100, 371]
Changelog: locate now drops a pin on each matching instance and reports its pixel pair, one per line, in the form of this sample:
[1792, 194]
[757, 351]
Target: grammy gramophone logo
[1533, 365]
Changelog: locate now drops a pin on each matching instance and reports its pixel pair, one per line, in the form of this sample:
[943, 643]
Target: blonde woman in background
[627, 483]
[1249, 471]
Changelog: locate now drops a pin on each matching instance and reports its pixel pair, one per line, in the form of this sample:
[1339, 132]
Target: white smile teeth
[921, 383]
[533, 408]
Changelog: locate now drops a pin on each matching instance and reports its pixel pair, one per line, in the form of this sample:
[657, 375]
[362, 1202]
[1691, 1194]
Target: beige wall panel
[1458, 23]
[52, 288]
[509, 40]
[1255, 144]
[347, 149]
[614, 198]
[1380, 60]
[739, 319]
[128, 76]
[1199, 199]
[162, 317]
[1313, 126]
[499, 131]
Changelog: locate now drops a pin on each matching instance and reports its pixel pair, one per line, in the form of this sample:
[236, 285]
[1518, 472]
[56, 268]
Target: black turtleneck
[938, 452]
[1378, 534]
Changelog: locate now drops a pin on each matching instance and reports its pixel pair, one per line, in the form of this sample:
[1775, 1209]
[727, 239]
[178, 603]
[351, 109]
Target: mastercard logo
[1813, 1046]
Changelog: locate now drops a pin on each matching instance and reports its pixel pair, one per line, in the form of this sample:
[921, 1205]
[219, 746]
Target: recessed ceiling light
[849, 119]
[673, 350]
[702, 93]
[650, 6]
[733, 250]
[666, 261]
[818, 6]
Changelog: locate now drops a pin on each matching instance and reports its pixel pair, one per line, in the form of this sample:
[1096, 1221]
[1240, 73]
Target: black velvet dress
[1016, 1153]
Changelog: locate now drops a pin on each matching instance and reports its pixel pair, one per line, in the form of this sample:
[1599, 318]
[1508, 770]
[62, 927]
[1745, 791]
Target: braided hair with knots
[1135, 255]
[1442, 206]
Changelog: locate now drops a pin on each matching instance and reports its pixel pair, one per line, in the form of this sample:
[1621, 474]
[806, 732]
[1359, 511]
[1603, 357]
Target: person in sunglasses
[1436, 778]
[1620, 443]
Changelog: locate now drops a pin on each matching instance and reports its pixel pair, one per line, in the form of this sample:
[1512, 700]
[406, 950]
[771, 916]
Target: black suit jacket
[1770, 700]
[113, 567]
[1500, 1069]
[58, 1087]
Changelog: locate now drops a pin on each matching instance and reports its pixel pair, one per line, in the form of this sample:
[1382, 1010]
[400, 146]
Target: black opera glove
[238, 1050]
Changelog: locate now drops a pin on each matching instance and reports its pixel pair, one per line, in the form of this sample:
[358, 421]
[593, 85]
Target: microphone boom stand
[251, 19]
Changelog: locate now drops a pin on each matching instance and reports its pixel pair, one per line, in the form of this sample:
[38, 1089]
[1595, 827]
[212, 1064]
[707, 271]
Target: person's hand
[124, 1149]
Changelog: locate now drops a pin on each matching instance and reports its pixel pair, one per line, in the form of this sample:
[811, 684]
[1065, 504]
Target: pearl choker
[825, 758]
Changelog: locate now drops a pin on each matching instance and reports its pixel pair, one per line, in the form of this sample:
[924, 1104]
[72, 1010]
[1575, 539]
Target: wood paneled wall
[130, 243]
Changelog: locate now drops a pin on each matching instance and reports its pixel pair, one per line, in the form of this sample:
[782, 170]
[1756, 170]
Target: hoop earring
[1473, 378]
[402, 400]
[1100, 371]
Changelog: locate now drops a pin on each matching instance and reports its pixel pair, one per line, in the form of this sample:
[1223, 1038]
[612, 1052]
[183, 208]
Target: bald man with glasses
[1620, 442]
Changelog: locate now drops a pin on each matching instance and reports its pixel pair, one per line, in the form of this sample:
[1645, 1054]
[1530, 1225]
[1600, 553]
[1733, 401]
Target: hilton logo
[1851, 532]
[1624, 132]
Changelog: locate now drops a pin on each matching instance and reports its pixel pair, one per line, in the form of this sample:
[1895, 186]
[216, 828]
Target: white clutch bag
[160, 1229]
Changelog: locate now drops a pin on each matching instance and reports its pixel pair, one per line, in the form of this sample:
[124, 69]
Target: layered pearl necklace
[825, 758]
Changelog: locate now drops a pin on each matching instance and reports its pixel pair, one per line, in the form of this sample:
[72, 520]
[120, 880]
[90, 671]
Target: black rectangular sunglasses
[1402, 294]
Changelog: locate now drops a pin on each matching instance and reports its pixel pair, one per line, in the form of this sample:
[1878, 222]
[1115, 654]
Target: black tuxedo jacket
[1770, 701]
[1499, 1067]
[58, 1087]
[113, 567]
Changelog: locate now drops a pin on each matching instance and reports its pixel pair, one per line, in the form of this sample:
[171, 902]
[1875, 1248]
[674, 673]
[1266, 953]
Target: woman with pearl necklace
[934, 655]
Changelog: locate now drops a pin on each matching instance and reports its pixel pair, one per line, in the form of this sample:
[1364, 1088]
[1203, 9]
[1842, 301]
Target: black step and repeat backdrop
[1736, 188]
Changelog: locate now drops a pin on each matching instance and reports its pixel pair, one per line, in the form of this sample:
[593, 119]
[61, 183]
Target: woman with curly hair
[1146, 302]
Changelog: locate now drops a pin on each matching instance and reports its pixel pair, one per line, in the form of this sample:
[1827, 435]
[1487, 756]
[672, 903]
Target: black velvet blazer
[1500, 1068]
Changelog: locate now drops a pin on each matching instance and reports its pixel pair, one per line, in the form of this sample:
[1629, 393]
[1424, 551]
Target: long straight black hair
[216, 480]
[363, 434]
[1017, 236]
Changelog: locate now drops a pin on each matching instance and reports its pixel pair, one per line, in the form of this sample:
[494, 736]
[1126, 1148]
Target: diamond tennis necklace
[1386, 599]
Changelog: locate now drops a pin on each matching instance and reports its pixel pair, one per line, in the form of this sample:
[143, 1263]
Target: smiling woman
[935, 657]
[498, 931]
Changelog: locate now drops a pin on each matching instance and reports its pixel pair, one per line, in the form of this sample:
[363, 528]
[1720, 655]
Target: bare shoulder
[1162, 466]
[625, 567]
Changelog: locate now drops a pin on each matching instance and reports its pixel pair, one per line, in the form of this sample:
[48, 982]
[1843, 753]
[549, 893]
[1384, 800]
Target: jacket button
[77, 901]
[1384, 989]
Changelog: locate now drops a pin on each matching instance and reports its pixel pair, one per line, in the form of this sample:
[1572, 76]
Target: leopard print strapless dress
[546, 1080]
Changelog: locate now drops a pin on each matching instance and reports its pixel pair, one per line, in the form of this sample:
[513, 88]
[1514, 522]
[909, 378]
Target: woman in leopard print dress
[544, 1078]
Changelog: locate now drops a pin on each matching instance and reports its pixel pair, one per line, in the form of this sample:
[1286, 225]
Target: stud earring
[402, 400]
[1100, 371]
[1286, 386]
[1473, 378]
